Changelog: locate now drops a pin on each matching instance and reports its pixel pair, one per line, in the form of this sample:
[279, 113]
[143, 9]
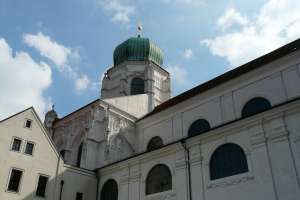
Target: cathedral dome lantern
[138, 49]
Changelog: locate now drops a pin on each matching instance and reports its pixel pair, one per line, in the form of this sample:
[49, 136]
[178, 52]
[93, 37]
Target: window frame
[37, 184]
[245, 114]
[233, 176]
[20, 181]
[103, 187]
[25, 123]
[147, 193]
[81, 195]
[131, 84]
[33, 148]
[151, 141]
[79, 155]
[189, 130]
[12, 143]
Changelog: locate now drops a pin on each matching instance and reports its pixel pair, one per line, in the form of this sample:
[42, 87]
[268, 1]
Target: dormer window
[28, 123]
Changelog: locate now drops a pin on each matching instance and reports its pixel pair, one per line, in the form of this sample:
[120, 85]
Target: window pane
[227, 160]
[255, 106]
[154, 143]
[14, 181]
[62, 153]
[137, 86]
[109, 190]
[79, 196]
[199, 126]
[29, 148]
[28, 124]
[79, 155]
[16, 144]
[159, 179]
[41, 188]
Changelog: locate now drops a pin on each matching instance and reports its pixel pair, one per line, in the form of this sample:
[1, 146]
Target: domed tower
[137, 70]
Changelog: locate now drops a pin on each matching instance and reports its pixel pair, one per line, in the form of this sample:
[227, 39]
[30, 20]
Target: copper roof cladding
[138, 49]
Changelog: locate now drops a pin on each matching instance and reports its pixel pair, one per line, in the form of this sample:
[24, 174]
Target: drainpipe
[61, 188]
[187, 159]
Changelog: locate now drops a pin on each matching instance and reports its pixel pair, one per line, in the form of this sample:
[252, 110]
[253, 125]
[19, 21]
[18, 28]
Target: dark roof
[243, 69]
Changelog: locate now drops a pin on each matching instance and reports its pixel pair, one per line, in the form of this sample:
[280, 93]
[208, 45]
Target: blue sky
[54, 52]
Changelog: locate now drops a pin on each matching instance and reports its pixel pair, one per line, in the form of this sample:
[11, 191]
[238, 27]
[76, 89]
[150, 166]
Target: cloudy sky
[54, 52]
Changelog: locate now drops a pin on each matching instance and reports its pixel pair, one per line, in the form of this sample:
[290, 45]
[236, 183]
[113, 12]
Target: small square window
[14, 180]
[29, 148]
[16, 145]
[42, 185]
[79, 196]
[28, 123]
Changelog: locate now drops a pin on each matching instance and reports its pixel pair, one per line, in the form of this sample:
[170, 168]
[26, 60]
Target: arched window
[109, 190]
[159, 179]
[227, 160]
[255, 105]
[137, 86]
[155, 143]
[199, 126]
[79, 155]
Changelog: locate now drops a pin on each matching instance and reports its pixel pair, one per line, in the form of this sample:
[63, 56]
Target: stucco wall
[45, 160]
[277, 81]
[270, 141]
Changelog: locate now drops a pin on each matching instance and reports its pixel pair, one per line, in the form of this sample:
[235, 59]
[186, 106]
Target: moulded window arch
[109, 190]
[79, 153]
[199, 126]
[155, 143]
[137, 86]
[159, 179]
[255, 105]
[227, 160]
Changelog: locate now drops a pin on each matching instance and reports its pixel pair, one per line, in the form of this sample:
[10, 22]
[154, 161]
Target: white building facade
[234, 137]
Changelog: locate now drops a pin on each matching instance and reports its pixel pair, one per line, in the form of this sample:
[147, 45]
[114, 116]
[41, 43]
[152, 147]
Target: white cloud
[277, 23]
[188, 54]
[120, 10]
[22, 82]
[48, 48]
[230, 18]
[82, 82]
[61, 56]
[178, 74]
[187, 2]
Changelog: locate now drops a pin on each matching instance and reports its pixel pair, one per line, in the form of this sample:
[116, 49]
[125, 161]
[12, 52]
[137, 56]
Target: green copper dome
[138, 49]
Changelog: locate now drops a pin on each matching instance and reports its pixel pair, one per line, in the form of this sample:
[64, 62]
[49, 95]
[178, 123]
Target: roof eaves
[243, 69]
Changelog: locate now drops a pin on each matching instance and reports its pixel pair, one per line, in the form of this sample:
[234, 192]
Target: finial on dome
[139, 29]
[53, 106]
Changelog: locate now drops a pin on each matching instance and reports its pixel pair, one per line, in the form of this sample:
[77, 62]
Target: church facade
[236, 136]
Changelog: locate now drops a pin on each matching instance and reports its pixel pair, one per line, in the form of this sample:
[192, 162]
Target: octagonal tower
[138, 70]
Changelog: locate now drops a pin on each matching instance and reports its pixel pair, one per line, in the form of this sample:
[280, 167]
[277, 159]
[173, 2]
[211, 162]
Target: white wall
[277, 81]
[45, 160]
[270, 141]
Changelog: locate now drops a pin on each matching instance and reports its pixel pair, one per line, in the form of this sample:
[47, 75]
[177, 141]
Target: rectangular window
[16, 145]
[62, 153]
[14, 180]
[42, 184]
[29, 148]
[28, 123]
[79, 196]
